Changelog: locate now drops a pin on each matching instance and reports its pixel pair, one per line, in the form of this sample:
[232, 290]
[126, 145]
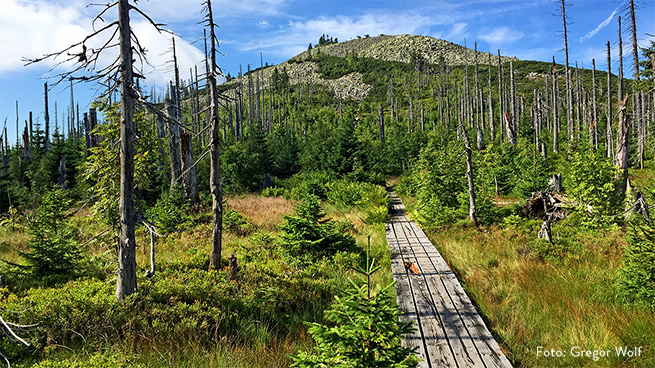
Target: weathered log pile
[546, 206]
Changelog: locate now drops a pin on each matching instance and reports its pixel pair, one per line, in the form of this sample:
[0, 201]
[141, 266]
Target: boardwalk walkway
[449, 330]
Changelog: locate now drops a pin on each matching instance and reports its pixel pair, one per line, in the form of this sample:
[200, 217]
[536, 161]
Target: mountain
[304, 68]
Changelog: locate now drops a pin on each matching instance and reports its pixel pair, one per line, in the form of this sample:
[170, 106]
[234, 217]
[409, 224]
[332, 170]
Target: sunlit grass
[559, 305]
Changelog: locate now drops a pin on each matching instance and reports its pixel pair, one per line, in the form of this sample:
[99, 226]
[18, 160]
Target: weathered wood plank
[450, 331]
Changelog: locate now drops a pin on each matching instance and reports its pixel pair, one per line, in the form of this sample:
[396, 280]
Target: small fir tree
[365, 332]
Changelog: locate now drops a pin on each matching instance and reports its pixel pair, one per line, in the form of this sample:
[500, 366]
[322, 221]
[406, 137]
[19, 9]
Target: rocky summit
[302, 70]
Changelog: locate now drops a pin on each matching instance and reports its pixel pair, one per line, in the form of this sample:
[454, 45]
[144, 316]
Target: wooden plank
[479, 335]
[458, 338]
[450, 331]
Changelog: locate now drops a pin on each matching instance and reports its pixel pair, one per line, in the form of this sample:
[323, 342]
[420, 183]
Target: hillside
[304, 67]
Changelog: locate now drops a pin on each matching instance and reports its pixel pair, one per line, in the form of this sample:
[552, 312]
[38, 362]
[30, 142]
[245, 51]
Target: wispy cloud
[293, 38]
[602, 25]
[501, 35]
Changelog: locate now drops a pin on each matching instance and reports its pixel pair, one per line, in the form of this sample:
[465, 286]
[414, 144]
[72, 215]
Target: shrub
[237, 223]
[636, 282]
[306, 235]
[170, 211]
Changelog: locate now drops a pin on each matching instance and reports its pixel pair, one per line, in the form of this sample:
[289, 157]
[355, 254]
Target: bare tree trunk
[569, 87]
[190, 182]
[554, 107]
[492, 130]
[215, 183]
[469, 175]
[623, 133]
[500, 96]
[609, 134]
[46, 117]
[513, 102]
[593, 128]
[381, 115]
[126, 280]
[173, 141]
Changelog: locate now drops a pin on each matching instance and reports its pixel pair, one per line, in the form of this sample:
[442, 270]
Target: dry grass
[557, 305]
[264, 212]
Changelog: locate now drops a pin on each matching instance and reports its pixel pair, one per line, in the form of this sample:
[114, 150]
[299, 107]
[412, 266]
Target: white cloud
[183, 10]
[294, 37]
[602, 25]
[32, 28]
[501, 35]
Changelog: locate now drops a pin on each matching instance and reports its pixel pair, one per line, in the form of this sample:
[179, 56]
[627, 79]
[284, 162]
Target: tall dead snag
[381, 115]
[469, 174]
[46, 117]
[593, 128]
[569, 86]
[554, 107]
[188, 167]
[500, 96]
[126, 281]
[609, 135]
[214, 178]
[121, 71]
[623, 132]
[175, 155]
[638, 106]
[490, 103]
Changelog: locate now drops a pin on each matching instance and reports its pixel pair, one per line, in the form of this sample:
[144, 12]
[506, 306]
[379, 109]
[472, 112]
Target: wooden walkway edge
[449, 330]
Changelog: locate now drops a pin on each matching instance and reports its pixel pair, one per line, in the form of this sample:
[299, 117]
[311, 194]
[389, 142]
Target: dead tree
[567, 72]
[554, 107]
[500, 96]
[175, 155]
[609, 134]
[469, 174]
[188, 167]
[490, 103]
[381, 115]
[214, 178]
[46, 117]
[593, 128]
[122, 71]
[623, 133]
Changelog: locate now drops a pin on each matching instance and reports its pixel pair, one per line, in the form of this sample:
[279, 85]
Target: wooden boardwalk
[449, 330]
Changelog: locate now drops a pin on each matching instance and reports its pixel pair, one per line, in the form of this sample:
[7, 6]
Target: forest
[242, 224]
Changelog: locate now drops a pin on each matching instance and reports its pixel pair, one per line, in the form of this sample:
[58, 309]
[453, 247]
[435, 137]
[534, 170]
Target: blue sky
[280, 29]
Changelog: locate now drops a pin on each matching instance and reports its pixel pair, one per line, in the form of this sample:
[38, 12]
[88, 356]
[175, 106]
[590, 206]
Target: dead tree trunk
[469, 175]
[623, 133]
[381, 115]
[126, 280]
[173, 142]
[609, 134]
[188, 167]
[214, 179]
[500, 96]
[554, 107]
[567, 72]
[593, 128]
[492, 130]
[46, 117]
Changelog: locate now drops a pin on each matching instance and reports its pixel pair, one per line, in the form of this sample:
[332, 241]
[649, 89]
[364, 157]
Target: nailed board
[449, 330]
